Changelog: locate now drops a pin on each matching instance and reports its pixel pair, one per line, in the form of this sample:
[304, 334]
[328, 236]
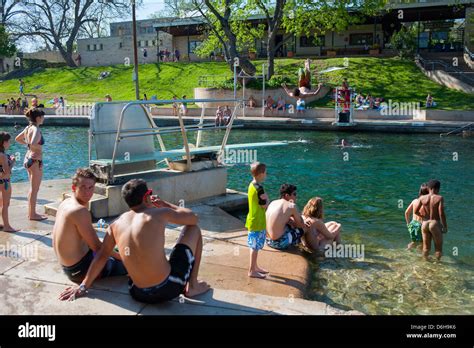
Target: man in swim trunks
[140, 238]
[434, 219]
[74, 239]
[285, 226]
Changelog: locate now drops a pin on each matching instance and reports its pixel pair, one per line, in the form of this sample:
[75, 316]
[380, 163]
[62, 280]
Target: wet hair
[85, 173]
[314, 208]
[423, 190]
[434, 185]
[4, 136]
[287, 189]
[257, 168]
[296, 92]
[33, 113]
[134, 191]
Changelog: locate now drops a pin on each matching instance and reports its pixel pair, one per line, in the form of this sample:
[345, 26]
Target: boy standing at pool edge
[256, 224]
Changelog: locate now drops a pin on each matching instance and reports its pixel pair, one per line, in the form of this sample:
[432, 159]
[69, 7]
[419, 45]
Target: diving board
[123, 136]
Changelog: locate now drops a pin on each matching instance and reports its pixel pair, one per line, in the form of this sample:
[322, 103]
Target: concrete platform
[441, 124]
[31, 278]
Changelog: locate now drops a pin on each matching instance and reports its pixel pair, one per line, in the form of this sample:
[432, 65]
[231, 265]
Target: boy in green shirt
[256, 224]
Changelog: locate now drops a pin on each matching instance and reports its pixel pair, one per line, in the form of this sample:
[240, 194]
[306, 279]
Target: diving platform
[125, 143]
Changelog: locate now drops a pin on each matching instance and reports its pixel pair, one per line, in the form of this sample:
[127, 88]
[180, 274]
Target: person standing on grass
[6, 165]
[256, 223]
[22, 87]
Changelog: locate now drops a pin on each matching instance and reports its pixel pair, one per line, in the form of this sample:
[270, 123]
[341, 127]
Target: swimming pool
[362, 188]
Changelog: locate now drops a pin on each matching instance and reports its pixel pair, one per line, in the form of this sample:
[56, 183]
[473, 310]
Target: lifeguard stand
[344, 106]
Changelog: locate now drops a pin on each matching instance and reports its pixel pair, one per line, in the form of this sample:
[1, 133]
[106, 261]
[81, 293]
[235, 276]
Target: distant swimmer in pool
[345, 143]
[304, 84]
[434, 219]
[414, 226]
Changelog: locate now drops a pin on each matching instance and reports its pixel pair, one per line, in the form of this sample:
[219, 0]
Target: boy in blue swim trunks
[256, 224]
[285, 226]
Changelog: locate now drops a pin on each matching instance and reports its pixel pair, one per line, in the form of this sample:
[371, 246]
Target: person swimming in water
[414, 227]
[434, 219]
[304, 84]
[345, 143]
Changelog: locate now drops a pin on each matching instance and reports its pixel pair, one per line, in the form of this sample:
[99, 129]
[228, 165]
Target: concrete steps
[97, 205]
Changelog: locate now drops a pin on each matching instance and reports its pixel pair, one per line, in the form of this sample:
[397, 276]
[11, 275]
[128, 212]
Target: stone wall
[119, 49]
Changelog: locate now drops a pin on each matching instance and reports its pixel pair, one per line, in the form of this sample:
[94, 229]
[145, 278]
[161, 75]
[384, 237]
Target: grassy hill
[391, 78]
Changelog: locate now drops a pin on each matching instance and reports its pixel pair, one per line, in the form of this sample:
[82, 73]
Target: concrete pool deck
[31, 278]
[277, 123]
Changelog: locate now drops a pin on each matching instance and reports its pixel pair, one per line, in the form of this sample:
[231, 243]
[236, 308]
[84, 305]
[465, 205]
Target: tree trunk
[67, 56]
[270, 56]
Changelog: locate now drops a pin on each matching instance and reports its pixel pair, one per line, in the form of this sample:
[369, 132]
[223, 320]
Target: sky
[149, 7]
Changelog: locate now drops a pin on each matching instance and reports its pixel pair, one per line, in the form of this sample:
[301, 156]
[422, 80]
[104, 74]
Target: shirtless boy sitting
[140, 237]
[285, 226]
[434, 219]
[74, 239]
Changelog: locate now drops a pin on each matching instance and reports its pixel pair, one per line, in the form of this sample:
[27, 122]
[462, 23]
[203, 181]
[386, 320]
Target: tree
[225, 23]
[312, 18]
[61, 22]
[7, 48]
[404, 41]
[8, 10]
[273, 12]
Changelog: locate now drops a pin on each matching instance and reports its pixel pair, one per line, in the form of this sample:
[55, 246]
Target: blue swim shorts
[256, 239]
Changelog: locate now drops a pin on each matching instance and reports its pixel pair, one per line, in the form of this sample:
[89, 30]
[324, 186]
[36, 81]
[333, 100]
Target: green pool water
[362, 188]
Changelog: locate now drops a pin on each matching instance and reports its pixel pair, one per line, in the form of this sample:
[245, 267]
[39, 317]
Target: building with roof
[441, 27]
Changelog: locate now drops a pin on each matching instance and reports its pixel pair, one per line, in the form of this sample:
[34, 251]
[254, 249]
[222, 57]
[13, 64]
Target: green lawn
[390, 78]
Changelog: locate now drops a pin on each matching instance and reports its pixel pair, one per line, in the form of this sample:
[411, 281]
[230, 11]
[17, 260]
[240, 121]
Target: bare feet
[9, 229]
[261, 270]
[256, 274]
[197, 289]
[38, 217]
[410, 245]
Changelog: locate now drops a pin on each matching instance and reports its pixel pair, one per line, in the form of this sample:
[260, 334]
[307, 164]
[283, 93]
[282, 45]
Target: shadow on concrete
[296, 284]
[39, 201]
[205, 304]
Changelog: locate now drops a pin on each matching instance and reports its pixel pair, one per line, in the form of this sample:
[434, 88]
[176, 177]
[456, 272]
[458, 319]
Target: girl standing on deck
[31, 137]
[6, 164]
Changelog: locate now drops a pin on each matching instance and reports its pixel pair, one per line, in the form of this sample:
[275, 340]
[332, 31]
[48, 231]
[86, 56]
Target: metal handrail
[457, 129]
[447, 68]
[181, 129]
[172, 131]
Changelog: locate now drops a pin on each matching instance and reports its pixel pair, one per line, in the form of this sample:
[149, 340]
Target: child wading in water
[6, 164]
[256, 224]
[414, 227]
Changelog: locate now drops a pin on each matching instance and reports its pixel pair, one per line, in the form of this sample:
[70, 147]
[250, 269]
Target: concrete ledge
[30, 285]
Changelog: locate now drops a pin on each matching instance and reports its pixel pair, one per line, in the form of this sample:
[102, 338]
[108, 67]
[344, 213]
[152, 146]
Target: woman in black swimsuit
[32, 137]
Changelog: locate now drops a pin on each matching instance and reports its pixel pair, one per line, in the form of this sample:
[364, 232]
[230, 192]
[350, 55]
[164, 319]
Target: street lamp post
[135, 52]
